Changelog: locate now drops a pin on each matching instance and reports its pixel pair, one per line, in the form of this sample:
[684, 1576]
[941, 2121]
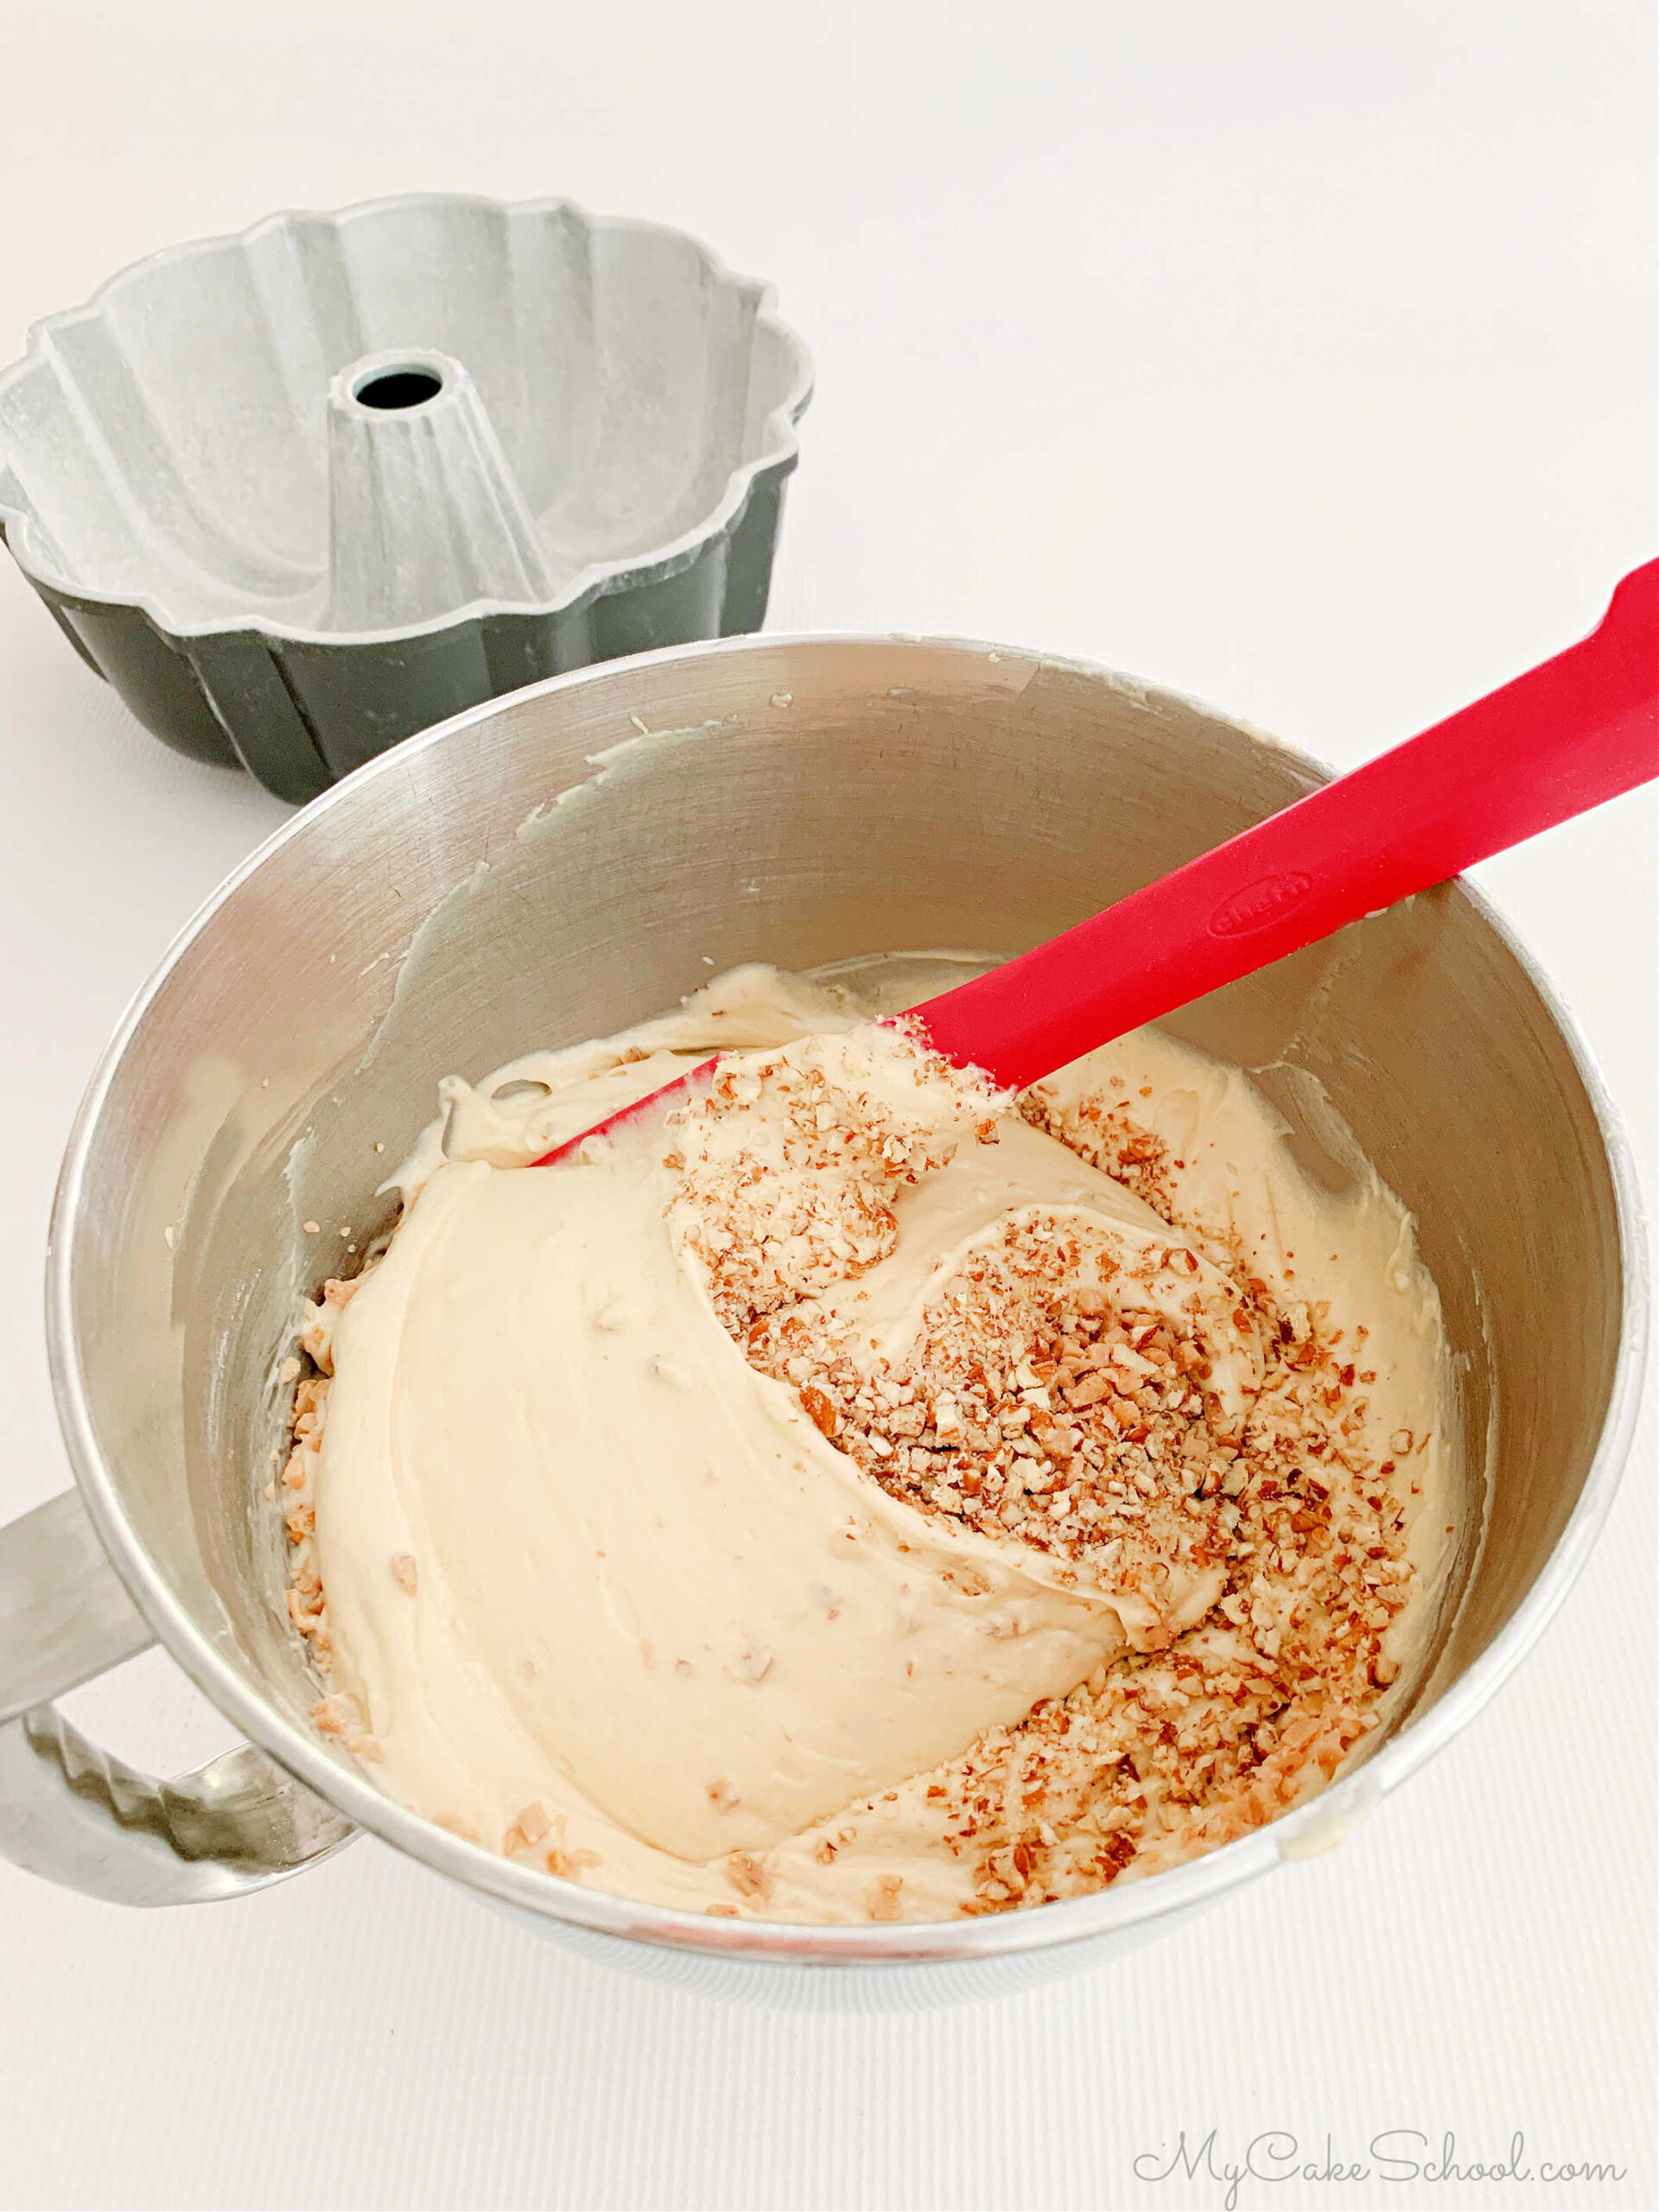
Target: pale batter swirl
[864, 1495]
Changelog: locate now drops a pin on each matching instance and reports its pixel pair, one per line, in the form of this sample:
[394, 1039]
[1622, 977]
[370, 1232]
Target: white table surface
[1297, 355]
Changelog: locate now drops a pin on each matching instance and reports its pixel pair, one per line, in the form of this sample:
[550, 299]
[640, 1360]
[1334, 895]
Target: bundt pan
[301, 493]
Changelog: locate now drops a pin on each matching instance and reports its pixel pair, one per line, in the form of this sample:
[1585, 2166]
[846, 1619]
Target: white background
[1299, 356]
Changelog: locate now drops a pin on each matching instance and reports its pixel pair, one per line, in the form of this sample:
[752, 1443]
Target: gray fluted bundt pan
[301, 493]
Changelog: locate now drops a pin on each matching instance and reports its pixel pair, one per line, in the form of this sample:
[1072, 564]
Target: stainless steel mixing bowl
[802, 801]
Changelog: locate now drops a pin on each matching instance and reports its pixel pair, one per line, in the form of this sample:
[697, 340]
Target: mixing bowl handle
[86, 1818]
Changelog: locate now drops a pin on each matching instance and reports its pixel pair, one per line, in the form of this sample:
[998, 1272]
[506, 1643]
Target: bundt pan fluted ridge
[299, 492]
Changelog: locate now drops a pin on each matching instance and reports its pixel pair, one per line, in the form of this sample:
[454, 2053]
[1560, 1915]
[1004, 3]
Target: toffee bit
[749, 1876]
[884, 1898]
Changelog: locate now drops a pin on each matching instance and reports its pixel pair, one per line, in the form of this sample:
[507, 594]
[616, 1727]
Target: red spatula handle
[1580, 729]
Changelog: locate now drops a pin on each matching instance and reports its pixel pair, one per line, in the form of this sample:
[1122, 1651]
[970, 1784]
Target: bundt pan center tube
[301, 493]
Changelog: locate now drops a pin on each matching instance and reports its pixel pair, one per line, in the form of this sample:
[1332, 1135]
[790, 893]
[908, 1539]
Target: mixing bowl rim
[303, 1754]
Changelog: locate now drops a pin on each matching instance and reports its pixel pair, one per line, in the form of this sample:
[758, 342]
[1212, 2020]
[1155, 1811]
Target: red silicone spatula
[1581, 728]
